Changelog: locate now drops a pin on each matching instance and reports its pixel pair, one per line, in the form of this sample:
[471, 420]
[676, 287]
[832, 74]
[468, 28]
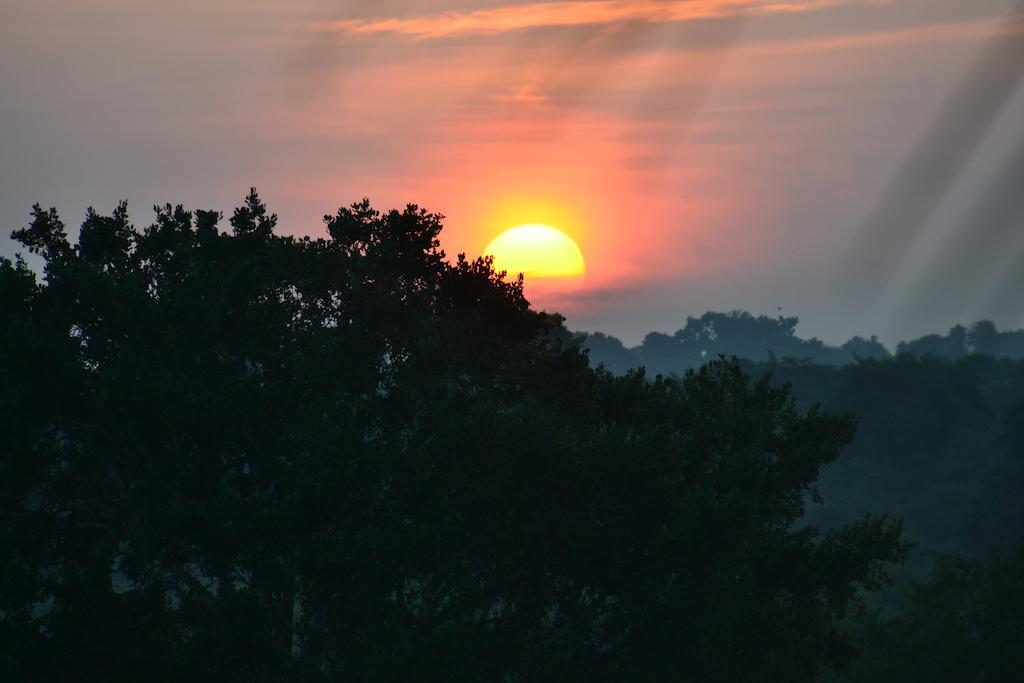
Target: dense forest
[940, 423]
[233, 455]
[939, 445]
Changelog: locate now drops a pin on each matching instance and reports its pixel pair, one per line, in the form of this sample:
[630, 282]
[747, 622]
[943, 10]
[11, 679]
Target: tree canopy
[763, 339]
[244, 456]
[961, 623]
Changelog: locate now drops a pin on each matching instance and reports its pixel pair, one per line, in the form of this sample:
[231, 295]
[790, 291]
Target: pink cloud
[573, 13]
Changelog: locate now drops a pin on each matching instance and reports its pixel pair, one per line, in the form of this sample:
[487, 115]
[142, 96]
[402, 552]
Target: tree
[610, 352]
[738, 333]
[253, 457]
[861, 348]
[954, 345]
[961, 624]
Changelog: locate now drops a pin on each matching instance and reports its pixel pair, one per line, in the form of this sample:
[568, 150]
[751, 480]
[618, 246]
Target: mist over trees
[980, 338]
[938, 440]
[937, 445]
[241, 456]
[763, 339]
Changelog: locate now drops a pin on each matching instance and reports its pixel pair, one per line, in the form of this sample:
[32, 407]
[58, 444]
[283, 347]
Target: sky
[856, 163]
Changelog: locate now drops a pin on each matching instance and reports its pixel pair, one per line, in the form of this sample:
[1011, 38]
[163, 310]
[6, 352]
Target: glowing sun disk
[536, 251]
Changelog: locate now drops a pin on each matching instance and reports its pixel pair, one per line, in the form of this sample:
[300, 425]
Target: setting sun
[536, 251]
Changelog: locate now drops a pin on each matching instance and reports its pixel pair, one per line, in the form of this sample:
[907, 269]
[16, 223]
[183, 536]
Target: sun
[537, 251]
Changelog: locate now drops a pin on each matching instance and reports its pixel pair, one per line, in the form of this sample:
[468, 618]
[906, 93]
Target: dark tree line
[764, 339]
[241, 456]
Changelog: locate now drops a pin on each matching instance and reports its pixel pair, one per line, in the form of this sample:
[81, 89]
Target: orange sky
[704, 154]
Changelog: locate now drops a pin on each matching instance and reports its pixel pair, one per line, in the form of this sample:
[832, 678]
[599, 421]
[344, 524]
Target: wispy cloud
[574, 13]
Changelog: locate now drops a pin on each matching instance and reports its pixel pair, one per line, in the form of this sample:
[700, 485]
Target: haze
[856, 163]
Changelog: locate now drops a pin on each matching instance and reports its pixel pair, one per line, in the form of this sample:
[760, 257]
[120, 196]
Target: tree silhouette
[765, 340]
[252, 457]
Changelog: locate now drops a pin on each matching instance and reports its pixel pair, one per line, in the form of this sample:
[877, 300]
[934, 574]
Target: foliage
[939, 437]
[252, 457]
[962, 624]
[980, 338]
[762, 339]
[938, 444]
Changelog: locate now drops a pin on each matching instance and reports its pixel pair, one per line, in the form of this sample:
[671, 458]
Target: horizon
[849, 163]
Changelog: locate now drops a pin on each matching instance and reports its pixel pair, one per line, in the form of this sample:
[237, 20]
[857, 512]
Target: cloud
[574, 13]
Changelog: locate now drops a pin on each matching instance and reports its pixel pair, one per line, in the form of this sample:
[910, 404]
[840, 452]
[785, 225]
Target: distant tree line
[763, 338]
